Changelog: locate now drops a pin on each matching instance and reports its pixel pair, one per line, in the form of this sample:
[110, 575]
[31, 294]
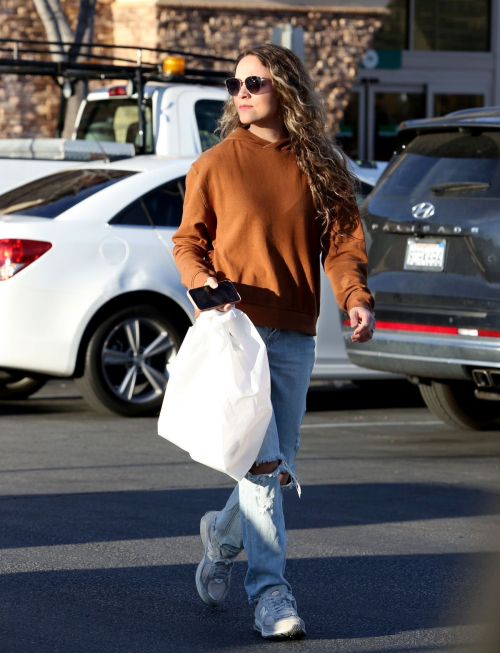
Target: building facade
[376, 62]
[429, 58]
[335, 40]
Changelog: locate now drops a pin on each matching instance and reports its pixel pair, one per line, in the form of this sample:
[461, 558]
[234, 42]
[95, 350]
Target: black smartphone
[205, 298]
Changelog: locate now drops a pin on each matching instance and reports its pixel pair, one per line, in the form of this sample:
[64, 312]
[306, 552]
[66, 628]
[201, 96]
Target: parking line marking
[353, 424]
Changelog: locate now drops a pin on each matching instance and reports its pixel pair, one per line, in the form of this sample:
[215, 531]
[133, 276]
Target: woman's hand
[363, 323]
[213, 283]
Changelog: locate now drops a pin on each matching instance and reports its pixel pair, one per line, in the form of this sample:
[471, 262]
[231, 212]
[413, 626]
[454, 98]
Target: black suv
[432, 227]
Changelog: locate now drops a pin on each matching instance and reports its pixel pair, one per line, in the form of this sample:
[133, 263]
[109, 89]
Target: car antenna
[106, 157]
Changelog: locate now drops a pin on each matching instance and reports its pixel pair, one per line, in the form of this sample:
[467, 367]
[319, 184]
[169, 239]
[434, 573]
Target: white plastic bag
[217, 404]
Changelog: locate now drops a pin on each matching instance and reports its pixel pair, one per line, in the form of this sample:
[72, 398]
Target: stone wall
[29, 103]
[135, 22]
[335, 40]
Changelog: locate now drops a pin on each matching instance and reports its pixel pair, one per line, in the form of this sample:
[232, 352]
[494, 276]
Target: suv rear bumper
[430, 356]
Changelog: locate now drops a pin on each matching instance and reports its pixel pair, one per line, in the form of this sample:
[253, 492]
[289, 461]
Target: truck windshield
[115, 120]
[50, 196]
[450, 164]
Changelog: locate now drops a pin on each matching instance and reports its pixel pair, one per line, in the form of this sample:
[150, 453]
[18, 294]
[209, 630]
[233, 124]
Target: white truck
[172, 120]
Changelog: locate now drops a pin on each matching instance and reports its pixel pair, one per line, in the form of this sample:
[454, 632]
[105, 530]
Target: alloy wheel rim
[136, 359]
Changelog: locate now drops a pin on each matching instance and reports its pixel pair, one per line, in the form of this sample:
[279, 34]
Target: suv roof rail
[485, 118]
[476, 116]
[476, 112]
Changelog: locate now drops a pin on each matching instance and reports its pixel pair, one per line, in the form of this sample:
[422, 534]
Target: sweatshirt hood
[243, 134]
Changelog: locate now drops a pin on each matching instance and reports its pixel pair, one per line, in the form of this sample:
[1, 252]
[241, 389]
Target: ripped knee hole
[268, 468]
[264, 468]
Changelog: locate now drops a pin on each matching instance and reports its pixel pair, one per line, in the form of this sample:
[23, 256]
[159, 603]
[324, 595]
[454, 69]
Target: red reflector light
[430, 328]
[403, 326]
[488, 334]
[117, 90]
[17, 253]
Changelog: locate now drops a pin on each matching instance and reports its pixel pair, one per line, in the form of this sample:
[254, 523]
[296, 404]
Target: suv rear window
[50, 196]
[451, 160]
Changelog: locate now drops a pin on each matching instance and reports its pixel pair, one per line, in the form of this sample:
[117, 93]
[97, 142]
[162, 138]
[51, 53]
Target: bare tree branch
[57, 28]
[60, 17]
[84, 28]
[51, 26]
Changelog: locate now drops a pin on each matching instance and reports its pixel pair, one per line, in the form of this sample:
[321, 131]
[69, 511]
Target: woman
[263, 207]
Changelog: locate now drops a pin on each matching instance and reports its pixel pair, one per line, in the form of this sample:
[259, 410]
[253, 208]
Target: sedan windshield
[50, 196]
[449, 163]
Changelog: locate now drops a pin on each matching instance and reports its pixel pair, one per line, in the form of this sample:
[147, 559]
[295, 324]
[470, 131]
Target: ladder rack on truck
[171, 69]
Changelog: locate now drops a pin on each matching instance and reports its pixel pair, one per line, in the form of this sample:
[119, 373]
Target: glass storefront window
[452, 25]
[347, 136]
[393, 33]
[390, 110]
[444, 104]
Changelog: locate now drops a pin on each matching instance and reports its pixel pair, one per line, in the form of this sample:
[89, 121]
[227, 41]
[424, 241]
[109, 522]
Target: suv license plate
[427, 255]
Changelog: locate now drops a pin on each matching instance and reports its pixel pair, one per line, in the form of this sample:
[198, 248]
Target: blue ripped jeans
[253, 518]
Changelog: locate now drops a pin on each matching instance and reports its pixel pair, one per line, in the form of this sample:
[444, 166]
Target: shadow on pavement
[369, 394]
[156, 608]
[56, 519]
[339, 396]
[152, 609]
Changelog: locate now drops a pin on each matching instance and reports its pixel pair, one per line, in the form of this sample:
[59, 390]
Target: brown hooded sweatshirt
[249, 217]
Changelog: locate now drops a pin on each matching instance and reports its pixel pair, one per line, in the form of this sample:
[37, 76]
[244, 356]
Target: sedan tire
[127, 362]
[17, 386]
[455, 404]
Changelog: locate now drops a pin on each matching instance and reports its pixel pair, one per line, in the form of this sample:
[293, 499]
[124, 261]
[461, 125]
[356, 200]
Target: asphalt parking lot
[393, 546]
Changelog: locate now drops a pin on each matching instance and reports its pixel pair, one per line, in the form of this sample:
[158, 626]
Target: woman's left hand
[363, 323]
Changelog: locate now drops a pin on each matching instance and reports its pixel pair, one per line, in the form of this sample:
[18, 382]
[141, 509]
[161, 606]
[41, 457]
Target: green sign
[377, 59]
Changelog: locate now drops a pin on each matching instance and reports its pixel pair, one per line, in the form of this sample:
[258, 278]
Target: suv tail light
[430, 328]
[16, 254]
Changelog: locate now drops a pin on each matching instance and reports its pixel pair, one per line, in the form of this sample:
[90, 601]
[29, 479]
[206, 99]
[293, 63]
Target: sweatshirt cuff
[364, 301]
[206, 272]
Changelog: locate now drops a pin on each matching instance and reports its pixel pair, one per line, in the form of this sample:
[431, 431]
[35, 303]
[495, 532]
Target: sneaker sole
[295, 632]
[204, 595]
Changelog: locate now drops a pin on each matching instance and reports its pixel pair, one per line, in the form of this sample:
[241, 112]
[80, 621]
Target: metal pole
[61, 114]
[140, 105]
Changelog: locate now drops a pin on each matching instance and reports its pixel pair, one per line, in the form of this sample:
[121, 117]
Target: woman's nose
[243, 91]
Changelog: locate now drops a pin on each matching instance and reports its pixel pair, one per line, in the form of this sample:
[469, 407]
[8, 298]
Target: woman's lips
[246, 106]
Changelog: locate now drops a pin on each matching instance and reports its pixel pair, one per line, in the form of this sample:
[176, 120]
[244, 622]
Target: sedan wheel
[18, 386]
[128, 362]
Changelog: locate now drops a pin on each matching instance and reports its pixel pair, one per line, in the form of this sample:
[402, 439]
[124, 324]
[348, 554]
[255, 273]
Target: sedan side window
[164, 205]
[133, 216]
[161, 207]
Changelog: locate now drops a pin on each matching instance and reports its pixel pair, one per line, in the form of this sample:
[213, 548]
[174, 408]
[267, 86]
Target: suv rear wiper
[457, 186]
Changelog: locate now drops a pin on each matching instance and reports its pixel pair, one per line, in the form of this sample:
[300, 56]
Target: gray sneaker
[214, 572]
[276, 614]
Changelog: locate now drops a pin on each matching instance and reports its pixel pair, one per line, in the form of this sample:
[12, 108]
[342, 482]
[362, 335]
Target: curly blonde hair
[324, 163]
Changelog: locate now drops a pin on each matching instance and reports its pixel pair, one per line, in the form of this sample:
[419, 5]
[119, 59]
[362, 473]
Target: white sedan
[89, 289]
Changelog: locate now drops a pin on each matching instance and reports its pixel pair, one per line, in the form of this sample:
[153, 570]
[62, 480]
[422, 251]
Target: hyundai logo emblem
[423, 210]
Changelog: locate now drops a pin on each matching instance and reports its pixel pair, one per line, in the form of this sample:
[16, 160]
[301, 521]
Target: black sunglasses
[253, 84]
